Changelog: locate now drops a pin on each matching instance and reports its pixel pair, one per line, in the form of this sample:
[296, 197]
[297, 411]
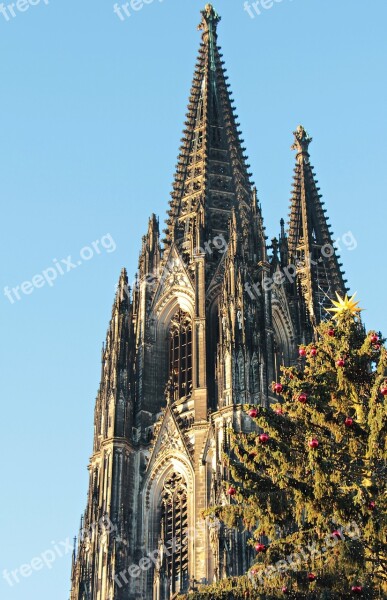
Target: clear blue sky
[92, 110]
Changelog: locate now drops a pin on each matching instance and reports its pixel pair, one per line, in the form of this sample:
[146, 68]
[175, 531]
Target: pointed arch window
[180, 354]
[173, 538]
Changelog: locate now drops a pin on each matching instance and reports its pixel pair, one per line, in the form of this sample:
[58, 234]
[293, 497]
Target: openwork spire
[212, 175]
[311, 244]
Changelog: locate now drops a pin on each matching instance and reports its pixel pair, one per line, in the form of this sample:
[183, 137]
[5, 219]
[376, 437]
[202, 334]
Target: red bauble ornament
[336, 534]
[374, 338]
[311, 576]
[279, 411]
[356, 589]
[260, 547]
[278, 388]
[331, 332]
[377, 347]
[340, 362]
[285, 590]
[253, 413]
[348, 422]
[302, 352]
[383, 390]
[302, 398]
[313, 352]
[313, 443]
[231, 491]
[372, 505]
[263, 438]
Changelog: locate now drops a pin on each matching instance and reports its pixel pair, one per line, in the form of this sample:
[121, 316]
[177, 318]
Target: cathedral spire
[310, 243]
[211, 172]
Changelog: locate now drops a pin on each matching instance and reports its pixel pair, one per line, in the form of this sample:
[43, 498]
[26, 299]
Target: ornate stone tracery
[180, 354]
[172, 571]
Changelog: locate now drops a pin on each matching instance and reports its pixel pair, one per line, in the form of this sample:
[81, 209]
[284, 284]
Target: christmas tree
[310, 483]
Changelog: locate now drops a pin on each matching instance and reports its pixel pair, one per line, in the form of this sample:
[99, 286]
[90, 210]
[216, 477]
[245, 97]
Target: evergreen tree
[310, 483]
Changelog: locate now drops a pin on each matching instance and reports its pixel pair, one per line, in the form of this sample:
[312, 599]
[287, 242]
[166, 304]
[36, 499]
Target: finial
[301, 141]
[210, 20]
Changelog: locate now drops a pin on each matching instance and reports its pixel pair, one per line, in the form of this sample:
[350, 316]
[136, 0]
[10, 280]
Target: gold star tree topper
[343, 305]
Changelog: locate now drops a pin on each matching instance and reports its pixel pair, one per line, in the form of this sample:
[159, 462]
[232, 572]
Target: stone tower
[211, 319]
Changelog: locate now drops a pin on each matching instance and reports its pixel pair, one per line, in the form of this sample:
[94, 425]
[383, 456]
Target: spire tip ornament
[210, 19]
[301, 141]
[345, 305]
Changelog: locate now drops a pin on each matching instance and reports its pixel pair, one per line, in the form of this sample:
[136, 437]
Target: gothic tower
[205, 330]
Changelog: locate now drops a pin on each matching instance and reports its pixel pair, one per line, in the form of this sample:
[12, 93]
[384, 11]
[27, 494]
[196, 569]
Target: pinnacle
[123, 281]
[122, 289]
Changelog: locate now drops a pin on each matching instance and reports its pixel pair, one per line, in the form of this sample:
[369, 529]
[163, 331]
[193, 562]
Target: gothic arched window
[180, 354]
[174, 523]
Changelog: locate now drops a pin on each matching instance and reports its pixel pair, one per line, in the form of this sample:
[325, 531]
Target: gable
[174, 281]
[168, 437]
